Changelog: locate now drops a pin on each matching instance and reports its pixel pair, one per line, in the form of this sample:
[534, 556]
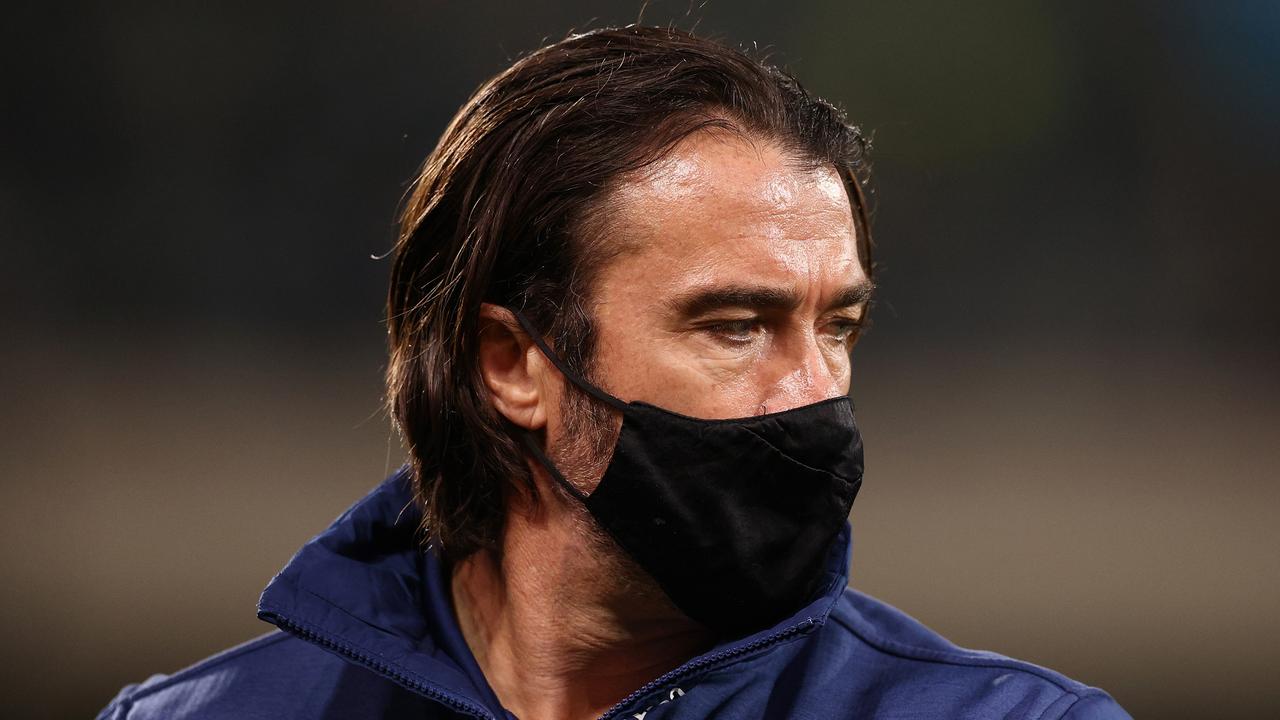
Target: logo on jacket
[671, 695]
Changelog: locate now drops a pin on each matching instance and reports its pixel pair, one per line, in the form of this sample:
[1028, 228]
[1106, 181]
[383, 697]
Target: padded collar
[366, 590]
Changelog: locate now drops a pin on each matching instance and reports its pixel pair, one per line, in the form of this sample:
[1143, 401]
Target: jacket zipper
[702, 663]
[380, 667]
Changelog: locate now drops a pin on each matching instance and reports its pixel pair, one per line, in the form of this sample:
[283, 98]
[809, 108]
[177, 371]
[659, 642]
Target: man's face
[738, 291]
[741, 290]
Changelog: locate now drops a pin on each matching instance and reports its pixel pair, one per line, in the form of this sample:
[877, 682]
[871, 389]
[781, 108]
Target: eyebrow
[759, 297]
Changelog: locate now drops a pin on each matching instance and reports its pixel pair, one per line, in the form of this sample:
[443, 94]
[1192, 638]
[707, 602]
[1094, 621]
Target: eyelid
[719, 328]
[846, 321]
[750, 323]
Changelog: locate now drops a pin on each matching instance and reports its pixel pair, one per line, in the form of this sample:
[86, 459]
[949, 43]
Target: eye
[733, 332]
[844, 331]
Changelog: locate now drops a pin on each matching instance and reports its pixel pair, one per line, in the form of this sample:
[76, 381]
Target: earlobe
[504, 359]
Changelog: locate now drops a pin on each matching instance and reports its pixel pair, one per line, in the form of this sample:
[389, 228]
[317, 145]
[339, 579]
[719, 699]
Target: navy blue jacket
[366, 631]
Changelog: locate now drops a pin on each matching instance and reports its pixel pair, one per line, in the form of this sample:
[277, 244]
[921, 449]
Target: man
[622, 307]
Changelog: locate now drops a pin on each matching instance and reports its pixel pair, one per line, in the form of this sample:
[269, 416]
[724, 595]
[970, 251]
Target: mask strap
[532, 443]
[573, 377]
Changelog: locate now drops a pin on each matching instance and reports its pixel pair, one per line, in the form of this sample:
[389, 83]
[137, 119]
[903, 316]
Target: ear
[512, 368]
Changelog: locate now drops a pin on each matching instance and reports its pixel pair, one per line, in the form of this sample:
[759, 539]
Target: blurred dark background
[1070, 397]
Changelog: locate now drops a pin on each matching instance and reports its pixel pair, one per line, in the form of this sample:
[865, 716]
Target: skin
[740, 292]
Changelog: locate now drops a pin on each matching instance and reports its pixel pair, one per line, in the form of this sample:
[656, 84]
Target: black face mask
[732, 518]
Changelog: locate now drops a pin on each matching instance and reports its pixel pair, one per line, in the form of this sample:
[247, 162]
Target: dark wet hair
[502, 210]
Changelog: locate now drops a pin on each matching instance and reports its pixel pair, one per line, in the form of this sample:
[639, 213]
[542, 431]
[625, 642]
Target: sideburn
[591, 430]
[582, 455]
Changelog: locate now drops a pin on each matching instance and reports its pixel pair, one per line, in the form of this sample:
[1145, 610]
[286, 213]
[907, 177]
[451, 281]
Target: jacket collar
[365, 590]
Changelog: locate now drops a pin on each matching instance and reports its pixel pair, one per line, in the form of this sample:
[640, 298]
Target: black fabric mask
[732, 518]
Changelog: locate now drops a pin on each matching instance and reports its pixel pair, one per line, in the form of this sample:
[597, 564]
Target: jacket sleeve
[1095, 706]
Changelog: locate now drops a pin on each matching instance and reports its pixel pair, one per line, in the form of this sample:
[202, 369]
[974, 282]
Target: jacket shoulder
[903, 668]
[272, 676]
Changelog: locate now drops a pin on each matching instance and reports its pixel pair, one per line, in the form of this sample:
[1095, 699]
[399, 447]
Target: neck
[556, 630]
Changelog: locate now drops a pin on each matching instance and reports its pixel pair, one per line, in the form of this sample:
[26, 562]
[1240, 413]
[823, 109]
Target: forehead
[719, 204]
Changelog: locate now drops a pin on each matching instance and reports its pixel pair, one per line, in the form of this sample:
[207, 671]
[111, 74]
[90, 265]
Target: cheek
[841, 368]
[696, 376]
[675, 372]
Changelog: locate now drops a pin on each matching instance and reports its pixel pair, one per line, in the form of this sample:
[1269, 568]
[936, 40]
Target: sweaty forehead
[720, 203]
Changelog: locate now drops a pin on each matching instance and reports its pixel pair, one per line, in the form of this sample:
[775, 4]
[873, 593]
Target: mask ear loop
[573, 377]
[532, 444]
[529, 440]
